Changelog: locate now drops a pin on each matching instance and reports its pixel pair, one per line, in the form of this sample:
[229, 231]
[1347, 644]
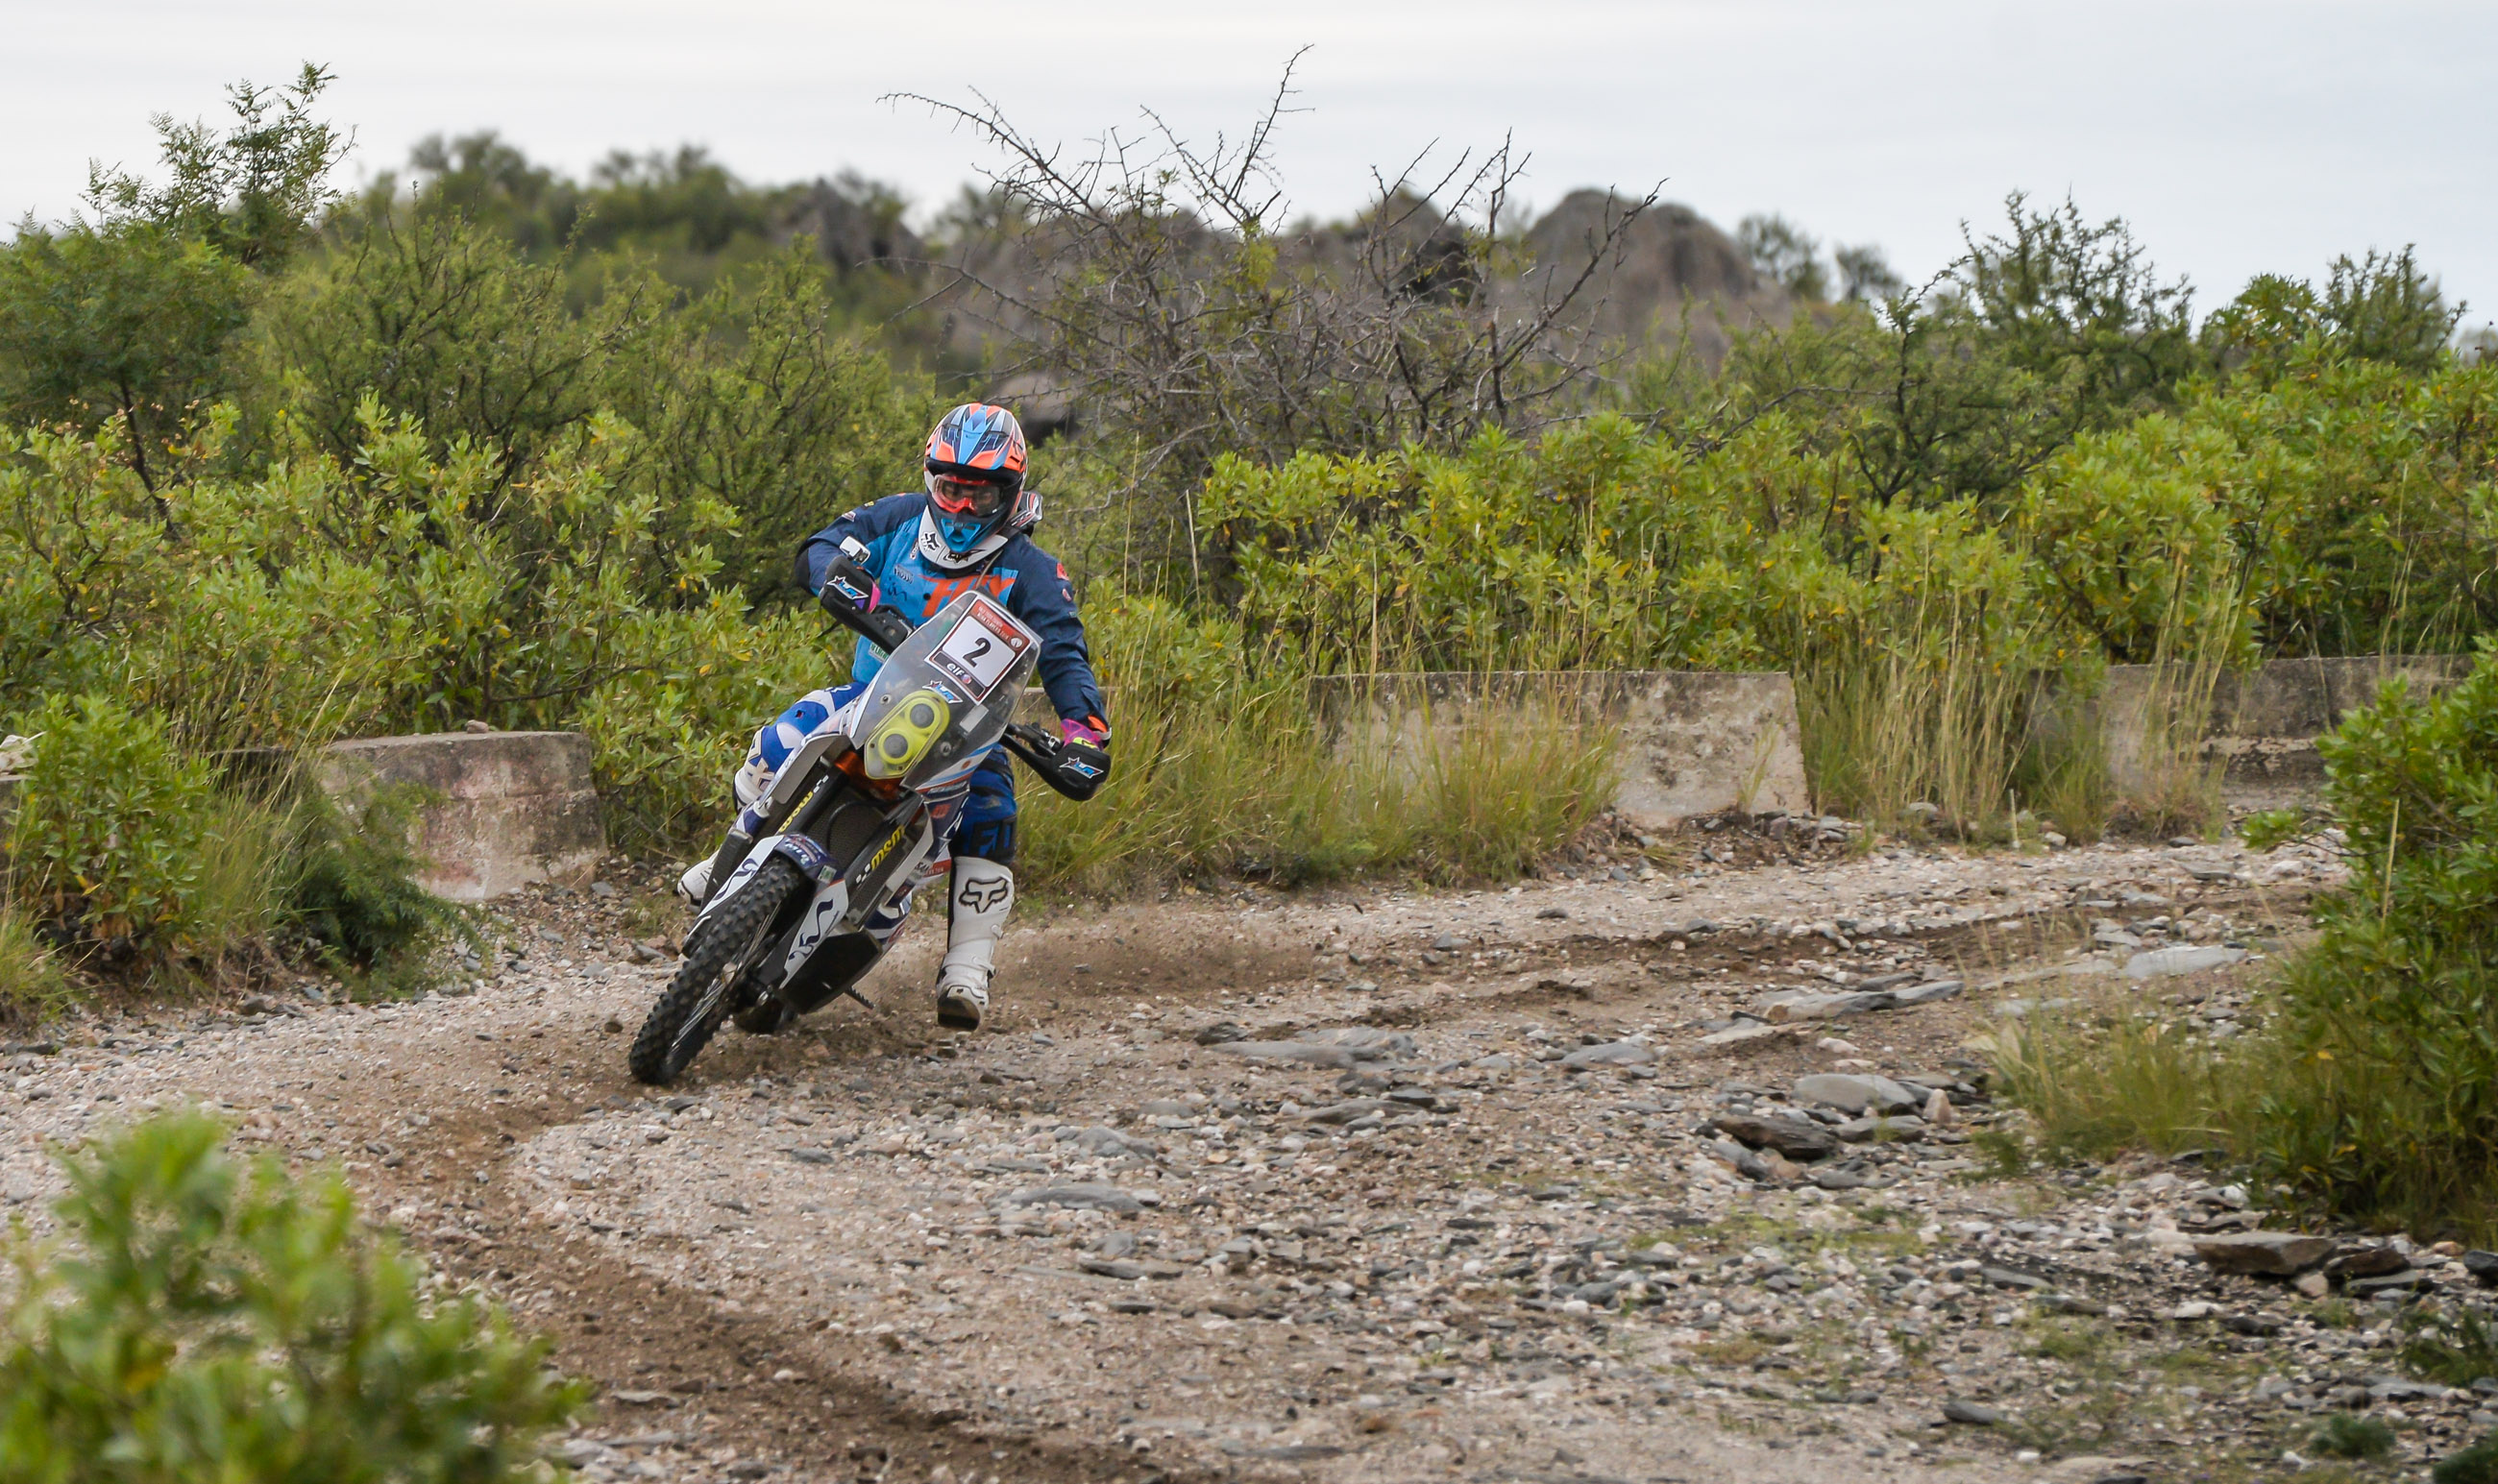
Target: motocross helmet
[975, 467]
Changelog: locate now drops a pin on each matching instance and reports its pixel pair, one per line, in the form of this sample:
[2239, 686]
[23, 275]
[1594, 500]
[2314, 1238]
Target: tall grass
[1225, 765]
[34, 984]
[2173, 783]
[1934, 710]
[2107, 1079]
[1253, 784]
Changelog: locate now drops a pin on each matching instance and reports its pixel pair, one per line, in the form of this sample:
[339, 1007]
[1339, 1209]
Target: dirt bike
[851, 818]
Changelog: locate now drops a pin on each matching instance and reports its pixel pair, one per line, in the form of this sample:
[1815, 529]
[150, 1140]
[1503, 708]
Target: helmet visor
[976, 499]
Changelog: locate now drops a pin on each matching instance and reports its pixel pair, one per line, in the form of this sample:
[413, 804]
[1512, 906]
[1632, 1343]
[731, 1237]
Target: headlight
[906, 734]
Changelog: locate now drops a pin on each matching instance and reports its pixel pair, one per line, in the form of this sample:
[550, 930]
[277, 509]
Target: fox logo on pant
[981, 895]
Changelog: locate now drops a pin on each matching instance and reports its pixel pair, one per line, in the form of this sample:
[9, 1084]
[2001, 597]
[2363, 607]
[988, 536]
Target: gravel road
[1630, 1173]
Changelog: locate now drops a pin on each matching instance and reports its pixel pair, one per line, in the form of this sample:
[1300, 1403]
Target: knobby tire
[667, 1044]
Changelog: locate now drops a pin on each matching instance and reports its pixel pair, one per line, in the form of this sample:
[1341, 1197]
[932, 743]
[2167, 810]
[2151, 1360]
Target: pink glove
[1091, 731]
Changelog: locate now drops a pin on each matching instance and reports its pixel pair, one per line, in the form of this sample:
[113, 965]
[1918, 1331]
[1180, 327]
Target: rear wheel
[698, 998]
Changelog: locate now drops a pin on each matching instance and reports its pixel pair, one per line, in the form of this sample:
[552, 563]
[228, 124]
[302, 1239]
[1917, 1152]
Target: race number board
[983, 648]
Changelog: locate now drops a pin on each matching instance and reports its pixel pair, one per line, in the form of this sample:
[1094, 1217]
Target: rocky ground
[1677, 1165]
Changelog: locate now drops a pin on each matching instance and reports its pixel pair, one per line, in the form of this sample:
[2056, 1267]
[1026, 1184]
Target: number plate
[982, 647]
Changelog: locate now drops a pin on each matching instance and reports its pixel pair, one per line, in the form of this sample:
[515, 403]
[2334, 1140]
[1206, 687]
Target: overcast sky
[2238, 136]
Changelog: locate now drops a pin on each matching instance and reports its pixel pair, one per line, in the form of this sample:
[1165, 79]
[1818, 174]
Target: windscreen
[945, 695]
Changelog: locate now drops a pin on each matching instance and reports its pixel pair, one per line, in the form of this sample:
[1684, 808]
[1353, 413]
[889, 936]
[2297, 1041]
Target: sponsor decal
[981, 894]
[808, 856]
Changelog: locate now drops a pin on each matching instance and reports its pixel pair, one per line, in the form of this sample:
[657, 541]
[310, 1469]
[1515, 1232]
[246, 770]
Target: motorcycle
[852, 818]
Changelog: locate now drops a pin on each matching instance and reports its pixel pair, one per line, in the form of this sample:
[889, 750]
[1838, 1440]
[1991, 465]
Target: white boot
[978, 902]
[695, 884]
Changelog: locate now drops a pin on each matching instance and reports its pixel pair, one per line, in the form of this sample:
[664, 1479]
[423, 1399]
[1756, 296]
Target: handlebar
[850, 595]
[1072, 769]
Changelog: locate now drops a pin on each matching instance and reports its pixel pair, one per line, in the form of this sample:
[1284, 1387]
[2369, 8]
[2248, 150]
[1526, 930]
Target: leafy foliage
[205, 1320]
[2390, 1021]
[106, 843]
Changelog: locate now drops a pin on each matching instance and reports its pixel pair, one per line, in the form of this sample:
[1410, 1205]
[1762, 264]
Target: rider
[971, 530]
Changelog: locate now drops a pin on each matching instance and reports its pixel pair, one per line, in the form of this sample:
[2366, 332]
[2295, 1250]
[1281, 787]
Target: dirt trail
[1474, 1225]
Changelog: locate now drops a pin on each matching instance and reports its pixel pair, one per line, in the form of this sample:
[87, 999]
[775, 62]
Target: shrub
[2387, 1026]
[2475, 1465]
[209, 1321]
[2340, 1435]
[108, 834]
[2372, 1091]
[351, 887]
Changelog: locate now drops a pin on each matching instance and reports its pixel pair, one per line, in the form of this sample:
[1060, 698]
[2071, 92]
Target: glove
[1091, 731]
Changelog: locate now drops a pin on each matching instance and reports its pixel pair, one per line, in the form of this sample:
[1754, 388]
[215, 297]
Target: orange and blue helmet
[975, 467]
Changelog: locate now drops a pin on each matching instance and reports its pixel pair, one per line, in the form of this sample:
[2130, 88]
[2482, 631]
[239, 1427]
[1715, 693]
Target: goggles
[974, 497]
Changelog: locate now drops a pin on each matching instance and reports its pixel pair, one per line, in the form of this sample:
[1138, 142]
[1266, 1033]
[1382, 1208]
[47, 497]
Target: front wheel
[697, 998]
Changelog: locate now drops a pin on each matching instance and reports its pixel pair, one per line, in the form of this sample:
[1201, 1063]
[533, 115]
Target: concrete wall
[2261, 724]
[1692, 741]
[512, 808]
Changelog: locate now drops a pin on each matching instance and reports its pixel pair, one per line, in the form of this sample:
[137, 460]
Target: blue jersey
[1032, 584]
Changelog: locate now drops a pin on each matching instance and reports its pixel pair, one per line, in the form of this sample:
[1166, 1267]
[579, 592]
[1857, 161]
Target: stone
[1826, 1007]
[1789, 1137]
[1082, 1195]
[1855, 1093]
[2277, 1255]
[1610, 1054]
[1367, 1043]
[1903, 1129]
[1446, 943]
[2314, 1286]
[2483, 1266]
[1347, 1111]
[1737, 1035]
[1971, 1414]
[1937, 1110]
[1928, 993]
[1747, 1163]
[806, 1155]
[2014, 1278]
[1287, 1051]
[1220, 1032]
[2411, 1281]
[2372, 1260]
[2159, 962]
[1112, 1144]
[2256, 1326]
[1553, 914]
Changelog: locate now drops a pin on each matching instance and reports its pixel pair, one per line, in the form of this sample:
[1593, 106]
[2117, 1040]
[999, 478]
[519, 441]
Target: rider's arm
[1046, 600]
[876, 525]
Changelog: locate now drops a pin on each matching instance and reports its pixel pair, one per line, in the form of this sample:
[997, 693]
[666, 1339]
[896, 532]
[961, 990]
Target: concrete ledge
[2262, 723]
[509, 807]
[1691, 743]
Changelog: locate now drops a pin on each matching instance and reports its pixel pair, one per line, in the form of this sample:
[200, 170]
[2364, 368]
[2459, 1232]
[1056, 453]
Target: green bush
[2340, 1435]
[107, 839]
[203, 1320]
[2475, 1465]
[2387, 1102]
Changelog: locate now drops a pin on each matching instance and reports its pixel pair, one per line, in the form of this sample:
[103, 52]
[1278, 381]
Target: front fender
[808, 856]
